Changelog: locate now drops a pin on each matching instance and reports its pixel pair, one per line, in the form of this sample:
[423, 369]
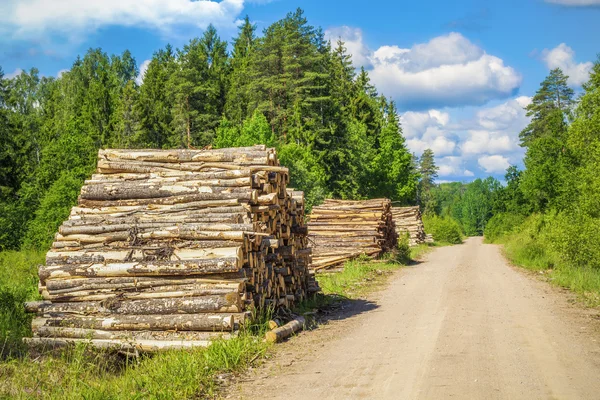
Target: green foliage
[443, 229]
[18, 283]
[255, 130]
[527, 245]
[54, 209]
[428, 172]
[402, 253]
[501, 225]
[549, 108]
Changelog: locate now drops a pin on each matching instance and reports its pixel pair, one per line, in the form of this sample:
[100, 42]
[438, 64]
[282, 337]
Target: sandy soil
[463, 325]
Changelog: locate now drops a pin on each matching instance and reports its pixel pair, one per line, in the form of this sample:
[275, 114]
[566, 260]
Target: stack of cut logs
[340, 230]
[408, 220]
[172, 248]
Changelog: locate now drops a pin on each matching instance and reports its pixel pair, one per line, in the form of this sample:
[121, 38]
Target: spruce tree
[154, 105]
[428, 172]
[237, 102]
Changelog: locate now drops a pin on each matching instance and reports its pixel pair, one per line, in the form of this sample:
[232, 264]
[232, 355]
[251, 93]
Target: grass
[18, 283]
[80, 373]
[362, 276]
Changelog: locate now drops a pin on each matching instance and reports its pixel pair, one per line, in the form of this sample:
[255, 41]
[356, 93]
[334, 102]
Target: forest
[290, 88]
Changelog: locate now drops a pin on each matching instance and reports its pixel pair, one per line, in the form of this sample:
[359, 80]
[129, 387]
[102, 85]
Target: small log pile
[408, 220]
[172, 248]
[340, 230]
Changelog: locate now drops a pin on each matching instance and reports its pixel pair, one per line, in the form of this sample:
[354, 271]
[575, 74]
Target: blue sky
[460, 71]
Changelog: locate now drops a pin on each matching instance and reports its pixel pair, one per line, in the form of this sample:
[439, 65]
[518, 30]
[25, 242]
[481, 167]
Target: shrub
[500, 225]
[443, 229]
[528, 245]
[402, 252]
[18, 283]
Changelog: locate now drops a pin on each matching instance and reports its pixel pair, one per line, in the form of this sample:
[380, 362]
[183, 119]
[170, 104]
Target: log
[146, 346]
[54, 257]
[79, 333]
[105, 294]
[156, 268]
[183, 322]
[229, 303]
[152, 191]
[232, 281]
[281, 333]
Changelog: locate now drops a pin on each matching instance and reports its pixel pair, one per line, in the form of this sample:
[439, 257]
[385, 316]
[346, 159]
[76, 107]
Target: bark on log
[158, 268]
[54, 257]
[230, 303]
[281, 333]
[231, 281]
[183, 322]
[146, 346]
[79, 333]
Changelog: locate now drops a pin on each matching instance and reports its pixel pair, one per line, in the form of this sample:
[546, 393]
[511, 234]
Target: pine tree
[549, 108]
[547, 159]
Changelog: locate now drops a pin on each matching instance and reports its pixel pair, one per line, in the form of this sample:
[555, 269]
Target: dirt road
[461, 325]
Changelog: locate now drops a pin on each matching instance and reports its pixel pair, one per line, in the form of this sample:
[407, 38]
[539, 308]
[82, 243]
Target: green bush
[500, 225]
[402, 252]
[574, 238]
[443, 229]
[528, 245]
[18, 283]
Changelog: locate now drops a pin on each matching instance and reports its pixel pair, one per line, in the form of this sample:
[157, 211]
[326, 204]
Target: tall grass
[80, 373]
[18, 283]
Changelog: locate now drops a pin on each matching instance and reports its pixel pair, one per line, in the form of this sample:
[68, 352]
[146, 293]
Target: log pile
[172, 248]
[408, 220]
[341, 230]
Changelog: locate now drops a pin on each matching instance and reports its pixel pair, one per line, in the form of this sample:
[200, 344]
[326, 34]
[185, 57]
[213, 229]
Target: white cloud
[26, 19]
[495, 130]
[460, 143]
[439, 144]
[427, 130]
[563, 57]
[143, 68]
[13, 74]
[353, 40]
[575, 3]
[447, 71]
[416, 124]
[495, 164]
[449, 166]
[60, 73]
[486, 142]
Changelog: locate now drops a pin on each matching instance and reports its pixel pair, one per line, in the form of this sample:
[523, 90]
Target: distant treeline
[288, 87]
